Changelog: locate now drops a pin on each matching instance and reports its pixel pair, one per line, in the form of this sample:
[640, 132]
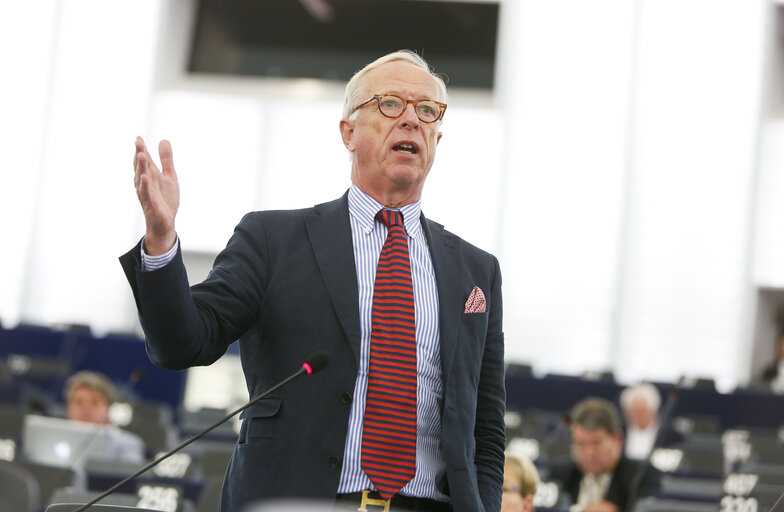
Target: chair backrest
[11, 421]
[70, 507]
[651, 504]
[152, 412]
[143, 499]
[212, 458]
[210, 498]
[19, 490]
[50, 478]
[67, 500]
[156, 436]
[686, 488]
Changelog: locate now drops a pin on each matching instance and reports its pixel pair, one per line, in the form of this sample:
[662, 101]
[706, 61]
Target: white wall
[613, 171]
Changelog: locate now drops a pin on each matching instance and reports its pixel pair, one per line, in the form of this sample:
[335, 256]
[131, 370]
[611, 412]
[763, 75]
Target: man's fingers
[145, 191]
[142, 191]
[140, 149]
[138, 169]
[167, 160]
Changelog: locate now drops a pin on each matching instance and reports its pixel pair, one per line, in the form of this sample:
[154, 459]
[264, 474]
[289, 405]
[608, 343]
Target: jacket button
[335, 462]
[346, 398]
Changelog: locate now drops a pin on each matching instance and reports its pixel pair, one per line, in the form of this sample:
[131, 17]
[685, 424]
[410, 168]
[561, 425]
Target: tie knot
[390, 217]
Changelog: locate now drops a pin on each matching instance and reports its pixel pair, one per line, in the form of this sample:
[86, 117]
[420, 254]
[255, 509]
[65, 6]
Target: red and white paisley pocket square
[476, 301]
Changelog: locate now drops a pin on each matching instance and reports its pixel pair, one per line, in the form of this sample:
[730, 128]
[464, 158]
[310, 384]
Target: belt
[371, 501]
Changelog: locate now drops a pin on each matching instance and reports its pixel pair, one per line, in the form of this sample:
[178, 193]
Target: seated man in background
[88, 397]
[644, 431]
[520, 482]
[601, 478]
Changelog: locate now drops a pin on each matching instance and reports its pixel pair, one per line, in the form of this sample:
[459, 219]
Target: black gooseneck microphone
[313, 364]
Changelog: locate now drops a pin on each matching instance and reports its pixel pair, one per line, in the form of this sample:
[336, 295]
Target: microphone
[315, 363]
[124, 394]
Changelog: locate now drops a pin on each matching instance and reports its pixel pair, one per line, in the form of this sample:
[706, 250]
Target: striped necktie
[389, 429]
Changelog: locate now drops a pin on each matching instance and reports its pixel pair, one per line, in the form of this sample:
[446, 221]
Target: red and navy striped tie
[389, 430]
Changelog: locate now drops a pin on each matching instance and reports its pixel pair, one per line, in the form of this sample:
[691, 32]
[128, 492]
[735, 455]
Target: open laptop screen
[65, 443]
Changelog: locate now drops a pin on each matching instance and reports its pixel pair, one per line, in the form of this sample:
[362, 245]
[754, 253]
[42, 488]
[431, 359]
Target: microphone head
[316, 362]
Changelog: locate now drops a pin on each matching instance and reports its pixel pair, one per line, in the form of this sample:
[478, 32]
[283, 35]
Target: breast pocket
[475, 326]
[259, 420]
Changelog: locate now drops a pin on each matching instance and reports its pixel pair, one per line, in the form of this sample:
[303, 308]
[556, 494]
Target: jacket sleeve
[491, 405]
[188, 326]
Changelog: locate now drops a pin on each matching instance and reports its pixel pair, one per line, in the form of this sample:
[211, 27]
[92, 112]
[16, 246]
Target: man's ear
[347, 133]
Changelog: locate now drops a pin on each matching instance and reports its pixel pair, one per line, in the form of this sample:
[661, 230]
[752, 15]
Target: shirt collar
[364, 208]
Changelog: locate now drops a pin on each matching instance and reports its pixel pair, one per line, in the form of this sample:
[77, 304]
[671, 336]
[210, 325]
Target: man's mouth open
[405, 147]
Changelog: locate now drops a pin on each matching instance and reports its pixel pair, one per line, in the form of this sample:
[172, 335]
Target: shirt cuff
[155, 262]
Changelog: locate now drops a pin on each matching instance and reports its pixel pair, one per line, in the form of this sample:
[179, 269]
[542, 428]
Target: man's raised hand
[159, 194]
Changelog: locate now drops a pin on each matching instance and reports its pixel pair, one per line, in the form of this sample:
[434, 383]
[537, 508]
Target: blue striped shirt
[160, 261]
[369, 236]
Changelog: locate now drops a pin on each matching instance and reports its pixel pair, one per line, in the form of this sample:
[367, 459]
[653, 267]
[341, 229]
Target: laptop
[60, 442]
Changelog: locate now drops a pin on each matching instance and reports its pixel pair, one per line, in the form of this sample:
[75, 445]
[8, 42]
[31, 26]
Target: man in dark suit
[601, 478]
[290, 283]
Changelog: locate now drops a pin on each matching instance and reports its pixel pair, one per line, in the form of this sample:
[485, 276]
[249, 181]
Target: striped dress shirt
[369, 236]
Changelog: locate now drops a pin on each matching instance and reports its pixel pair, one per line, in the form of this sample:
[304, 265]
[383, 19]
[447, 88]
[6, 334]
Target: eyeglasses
[428, 111]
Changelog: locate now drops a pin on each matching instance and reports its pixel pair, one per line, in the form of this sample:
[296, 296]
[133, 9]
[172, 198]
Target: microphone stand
[306, 368]
[773, 508]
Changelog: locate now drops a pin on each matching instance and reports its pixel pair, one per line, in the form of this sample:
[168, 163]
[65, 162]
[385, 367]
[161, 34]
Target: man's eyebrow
[401, 95]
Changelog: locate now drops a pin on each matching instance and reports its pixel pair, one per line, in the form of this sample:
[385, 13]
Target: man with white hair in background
[640, 404]
[409, 414]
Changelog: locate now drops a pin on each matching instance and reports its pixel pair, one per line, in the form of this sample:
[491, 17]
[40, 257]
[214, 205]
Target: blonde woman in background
[520, 482]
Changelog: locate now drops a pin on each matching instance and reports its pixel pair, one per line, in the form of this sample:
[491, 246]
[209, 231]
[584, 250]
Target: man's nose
[409, 117]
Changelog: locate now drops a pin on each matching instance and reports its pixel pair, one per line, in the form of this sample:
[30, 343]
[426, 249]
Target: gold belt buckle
[367, 500]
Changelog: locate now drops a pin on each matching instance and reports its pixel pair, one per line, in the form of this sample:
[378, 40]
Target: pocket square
[476, 301]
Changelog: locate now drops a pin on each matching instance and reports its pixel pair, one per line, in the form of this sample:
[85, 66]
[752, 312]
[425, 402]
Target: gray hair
[646, 391]
[93, 380]
[354, 86]
[597, 413]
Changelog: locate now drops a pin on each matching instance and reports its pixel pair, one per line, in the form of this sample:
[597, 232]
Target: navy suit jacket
[285, 286]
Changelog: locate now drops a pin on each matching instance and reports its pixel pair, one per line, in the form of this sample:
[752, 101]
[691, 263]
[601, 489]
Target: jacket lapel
[448, 266]
[329, 231]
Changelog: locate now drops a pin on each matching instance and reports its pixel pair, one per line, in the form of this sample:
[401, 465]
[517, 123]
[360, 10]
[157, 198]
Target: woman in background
[520, 482]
